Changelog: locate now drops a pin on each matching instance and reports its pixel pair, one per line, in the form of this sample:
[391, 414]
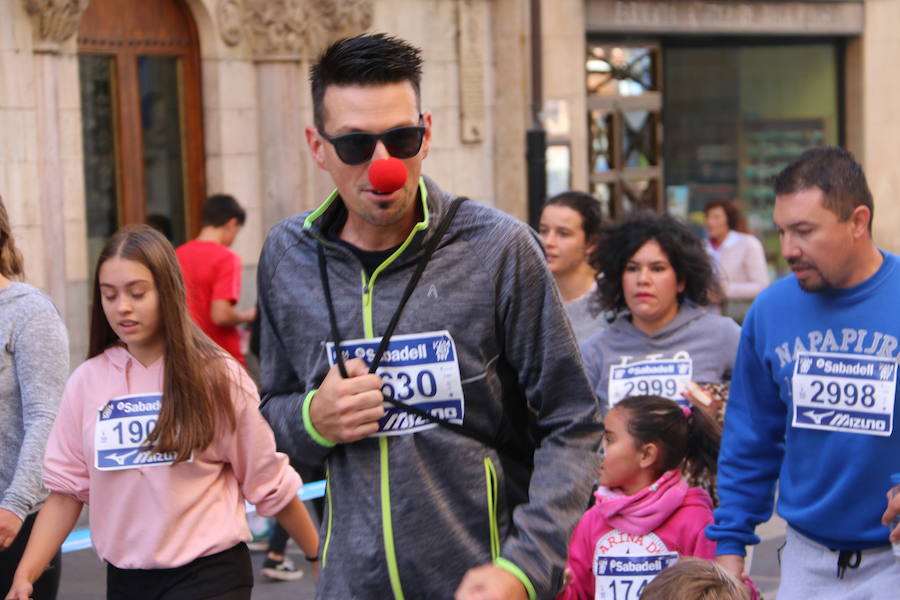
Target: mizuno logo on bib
[123, 425]
[853, 393]
[419, 369]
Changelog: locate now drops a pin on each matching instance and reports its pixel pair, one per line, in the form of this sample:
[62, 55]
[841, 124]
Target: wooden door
[139, 69]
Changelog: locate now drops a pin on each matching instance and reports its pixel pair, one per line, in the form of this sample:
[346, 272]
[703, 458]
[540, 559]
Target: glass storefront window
[98, 136]
[736, 115]
[600, 126]
[638, 130]
[161, 125]
[624, 124]
[620, 71]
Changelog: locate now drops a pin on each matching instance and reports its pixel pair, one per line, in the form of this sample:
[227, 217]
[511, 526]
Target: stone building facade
[63, 181]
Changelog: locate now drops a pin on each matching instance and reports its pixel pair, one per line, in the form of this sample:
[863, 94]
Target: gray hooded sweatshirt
[408, 515]
[34, 364]
[711, 340]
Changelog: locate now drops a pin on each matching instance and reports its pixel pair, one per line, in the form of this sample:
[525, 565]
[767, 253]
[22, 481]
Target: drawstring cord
[844, 561]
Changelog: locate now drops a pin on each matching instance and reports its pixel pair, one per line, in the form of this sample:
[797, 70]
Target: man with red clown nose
[415, 344]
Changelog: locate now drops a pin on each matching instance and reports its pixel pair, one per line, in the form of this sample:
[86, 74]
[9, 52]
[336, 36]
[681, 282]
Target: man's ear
[316, 145]
[426, 141]
[649, 454]
[859, 221]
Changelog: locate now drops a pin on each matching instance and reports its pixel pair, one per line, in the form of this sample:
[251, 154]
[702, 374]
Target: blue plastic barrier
[80, 539]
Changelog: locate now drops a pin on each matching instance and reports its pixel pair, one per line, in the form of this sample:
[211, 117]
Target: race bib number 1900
[123, 425]
[419, 369]
[853, 393]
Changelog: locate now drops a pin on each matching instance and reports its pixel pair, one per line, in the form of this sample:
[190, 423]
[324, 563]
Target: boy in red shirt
[212, 274]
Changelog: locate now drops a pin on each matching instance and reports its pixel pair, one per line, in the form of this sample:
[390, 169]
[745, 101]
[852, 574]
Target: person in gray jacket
[481, 503]
[658, 280]
[34, 364]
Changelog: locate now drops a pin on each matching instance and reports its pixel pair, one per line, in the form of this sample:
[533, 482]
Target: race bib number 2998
[844, 392]
[419, 369]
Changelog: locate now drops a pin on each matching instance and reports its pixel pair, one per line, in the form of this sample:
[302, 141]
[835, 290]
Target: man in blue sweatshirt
[483, 505]
[814, 393]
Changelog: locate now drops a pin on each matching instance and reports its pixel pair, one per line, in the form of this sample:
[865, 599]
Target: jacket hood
[688, 312]
[118, 357]
[652, 506]
[17, 289]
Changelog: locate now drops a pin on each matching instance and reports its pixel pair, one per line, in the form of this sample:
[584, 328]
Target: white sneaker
[281, 571]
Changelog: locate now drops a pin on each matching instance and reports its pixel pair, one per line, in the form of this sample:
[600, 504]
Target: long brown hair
[196, 380]
[11, 264]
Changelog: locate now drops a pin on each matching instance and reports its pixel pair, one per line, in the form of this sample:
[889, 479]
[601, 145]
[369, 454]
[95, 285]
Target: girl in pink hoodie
[160, 431]
[645, 516]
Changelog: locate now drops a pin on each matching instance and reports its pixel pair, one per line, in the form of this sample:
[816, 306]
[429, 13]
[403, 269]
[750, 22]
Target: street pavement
[84, 576]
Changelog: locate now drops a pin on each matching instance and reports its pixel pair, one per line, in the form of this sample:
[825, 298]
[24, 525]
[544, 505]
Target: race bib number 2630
[419, 369]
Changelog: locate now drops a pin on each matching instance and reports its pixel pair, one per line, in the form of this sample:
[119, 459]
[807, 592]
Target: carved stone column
[281, 35]
[290, 29]
[55, 22]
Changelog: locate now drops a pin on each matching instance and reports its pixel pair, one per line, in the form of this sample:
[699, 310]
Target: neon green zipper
[493, 493]
[387, 524]
[368, 284]
[327, 529]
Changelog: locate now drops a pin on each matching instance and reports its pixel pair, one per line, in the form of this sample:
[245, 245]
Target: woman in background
[664, 340]
[657, 282]
[34, 364]
[570, 230]
[739, 257]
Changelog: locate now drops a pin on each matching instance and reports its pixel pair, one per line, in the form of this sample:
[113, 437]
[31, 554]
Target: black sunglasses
[358, 147]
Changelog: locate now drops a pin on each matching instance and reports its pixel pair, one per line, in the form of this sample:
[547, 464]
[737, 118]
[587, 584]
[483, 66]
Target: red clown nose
[388, 174]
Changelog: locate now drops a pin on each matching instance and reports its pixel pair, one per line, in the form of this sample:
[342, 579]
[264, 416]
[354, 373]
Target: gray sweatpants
[809, 570]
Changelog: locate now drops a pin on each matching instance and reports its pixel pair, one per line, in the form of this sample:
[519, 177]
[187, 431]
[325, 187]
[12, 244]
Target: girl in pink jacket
[160, 432]
[645, 516]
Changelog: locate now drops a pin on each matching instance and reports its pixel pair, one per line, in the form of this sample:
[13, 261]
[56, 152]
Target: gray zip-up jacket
[34, 364]
[709, 339]
[407, 516]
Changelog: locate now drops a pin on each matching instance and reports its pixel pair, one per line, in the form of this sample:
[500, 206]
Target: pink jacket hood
[652, 506]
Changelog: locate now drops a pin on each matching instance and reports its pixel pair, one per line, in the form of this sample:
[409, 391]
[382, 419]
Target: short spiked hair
[368, 59]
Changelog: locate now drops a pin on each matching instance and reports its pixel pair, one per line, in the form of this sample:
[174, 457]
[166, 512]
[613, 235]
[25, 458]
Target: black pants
[278, 539]
[227, 575]
[46, 586]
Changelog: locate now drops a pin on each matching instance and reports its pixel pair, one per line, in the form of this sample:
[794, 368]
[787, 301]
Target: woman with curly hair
[658, 280]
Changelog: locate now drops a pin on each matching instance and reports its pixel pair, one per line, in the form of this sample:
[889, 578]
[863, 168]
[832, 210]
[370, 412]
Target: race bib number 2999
[419, 369]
